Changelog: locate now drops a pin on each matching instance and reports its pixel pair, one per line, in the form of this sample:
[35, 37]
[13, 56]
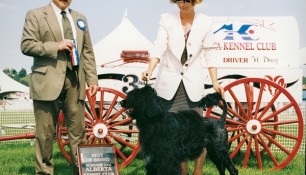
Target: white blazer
[169, 47]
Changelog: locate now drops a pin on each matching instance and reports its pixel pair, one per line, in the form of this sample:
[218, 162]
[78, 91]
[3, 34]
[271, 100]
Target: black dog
[216, 136]
[167, 139]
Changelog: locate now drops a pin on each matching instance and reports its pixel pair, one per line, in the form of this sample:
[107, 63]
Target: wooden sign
[97, 160]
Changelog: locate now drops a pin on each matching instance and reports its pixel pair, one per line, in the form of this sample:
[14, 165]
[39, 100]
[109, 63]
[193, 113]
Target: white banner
[256, 42]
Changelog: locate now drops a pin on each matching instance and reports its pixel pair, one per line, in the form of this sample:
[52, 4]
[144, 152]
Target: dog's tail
[223, 116]
[213, 99]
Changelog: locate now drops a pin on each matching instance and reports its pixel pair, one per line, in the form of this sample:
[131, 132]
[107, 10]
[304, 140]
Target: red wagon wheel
[261, 130]
[105, 123]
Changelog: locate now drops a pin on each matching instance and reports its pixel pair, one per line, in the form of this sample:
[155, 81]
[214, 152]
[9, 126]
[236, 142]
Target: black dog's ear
[147, 87]
[150, 88]
[154, 91]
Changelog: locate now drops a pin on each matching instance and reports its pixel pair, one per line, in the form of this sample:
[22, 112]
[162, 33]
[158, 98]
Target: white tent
[9, 85]
[115, 68]
[124, 37]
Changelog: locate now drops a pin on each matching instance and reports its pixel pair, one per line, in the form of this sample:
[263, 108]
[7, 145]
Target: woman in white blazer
[183, 46]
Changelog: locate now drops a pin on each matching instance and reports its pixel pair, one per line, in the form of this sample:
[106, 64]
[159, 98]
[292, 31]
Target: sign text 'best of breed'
[97, 160]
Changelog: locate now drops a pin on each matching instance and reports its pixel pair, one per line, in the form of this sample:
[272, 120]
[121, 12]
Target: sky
[105, 15]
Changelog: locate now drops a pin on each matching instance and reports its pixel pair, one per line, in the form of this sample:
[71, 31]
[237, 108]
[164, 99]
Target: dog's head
[142, 102]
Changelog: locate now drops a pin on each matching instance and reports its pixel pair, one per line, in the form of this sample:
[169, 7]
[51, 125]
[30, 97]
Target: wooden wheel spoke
[88, 111]
[109, 141]
[237, 136]
[234, 152]
[268, 150]
[120, 154]
[232, 129]
[241, 118]
[215, 115]
[269, 105]
[280, 123]
[94, 140]
[126, 121]
[249, 93]
[92, 103]
[258, 155]
[101, 141]
[110, 108]
[89, 124]
[257, 108]
[257, 111]
[118, 151]
[89, 131]
[90, 139]
[101, 106]
[232, 135]
[124, 131]
[234, 122]
[275, 113]
[125, 134]
[279, 133]
[247, 153]
[122, 141]
[89, 121]
[240, 107]
[116, 115]
[276, 143]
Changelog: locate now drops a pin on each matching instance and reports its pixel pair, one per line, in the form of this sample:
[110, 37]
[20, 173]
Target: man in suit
[56, 84]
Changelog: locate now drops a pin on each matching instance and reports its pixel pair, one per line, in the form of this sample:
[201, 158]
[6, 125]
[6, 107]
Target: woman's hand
[218, 88]
[146, 76]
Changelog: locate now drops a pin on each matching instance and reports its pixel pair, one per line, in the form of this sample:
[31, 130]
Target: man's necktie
[67, 35]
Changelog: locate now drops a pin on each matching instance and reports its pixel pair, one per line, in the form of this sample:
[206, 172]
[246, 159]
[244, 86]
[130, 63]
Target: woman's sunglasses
[185, 1]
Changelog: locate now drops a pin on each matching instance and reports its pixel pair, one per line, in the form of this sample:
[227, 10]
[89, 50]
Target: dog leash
[146, 81]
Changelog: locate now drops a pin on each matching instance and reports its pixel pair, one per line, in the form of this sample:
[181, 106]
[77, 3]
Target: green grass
[18, 159]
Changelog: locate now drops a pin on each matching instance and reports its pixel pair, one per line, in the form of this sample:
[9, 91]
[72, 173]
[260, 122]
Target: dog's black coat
[169, 138]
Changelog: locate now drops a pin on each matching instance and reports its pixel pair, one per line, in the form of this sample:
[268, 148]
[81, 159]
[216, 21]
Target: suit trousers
[46, 117]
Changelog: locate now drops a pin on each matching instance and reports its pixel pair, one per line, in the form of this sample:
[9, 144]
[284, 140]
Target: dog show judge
[58, 39]
[182, 48]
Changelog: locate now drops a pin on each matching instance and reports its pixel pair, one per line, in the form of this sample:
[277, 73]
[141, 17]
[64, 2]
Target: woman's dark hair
[192, 1]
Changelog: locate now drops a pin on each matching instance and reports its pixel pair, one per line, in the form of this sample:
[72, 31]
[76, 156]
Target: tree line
[20, 76]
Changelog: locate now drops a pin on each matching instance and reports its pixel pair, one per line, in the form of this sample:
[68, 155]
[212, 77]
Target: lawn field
[18, 159]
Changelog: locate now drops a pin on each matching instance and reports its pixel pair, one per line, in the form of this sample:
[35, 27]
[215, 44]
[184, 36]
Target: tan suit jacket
[40, 39]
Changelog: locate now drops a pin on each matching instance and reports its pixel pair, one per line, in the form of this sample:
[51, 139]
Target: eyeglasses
[185, 1]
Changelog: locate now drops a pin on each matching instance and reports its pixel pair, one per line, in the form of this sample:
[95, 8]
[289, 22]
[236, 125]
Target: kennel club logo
[255, 42]
[244, 32]
[244, 38]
